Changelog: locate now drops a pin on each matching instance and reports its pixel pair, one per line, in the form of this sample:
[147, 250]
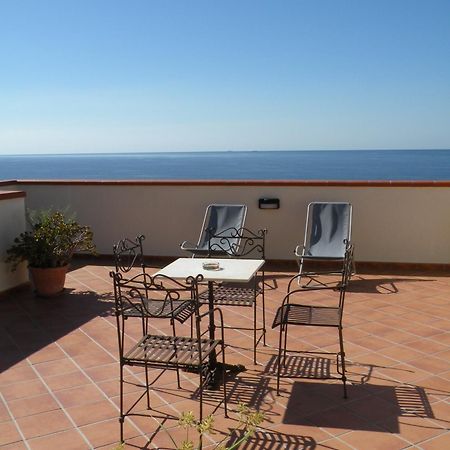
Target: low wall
[396, 222]
[12, 222]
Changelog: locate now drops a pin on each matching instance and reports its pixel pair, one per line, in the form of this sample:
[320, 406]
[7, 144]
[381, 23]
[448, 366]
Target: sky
[88, 76]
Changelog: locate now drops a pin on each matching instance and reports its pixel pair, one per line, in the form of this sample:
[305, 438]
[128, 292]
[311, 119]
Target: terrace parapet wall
[394, 222]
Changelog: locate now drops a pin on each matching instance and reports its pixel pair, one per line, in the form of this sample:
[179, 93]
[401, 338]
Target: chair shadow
[384, 286]
[301, 366]
[322, 404]
[379, 403]
[273, 440]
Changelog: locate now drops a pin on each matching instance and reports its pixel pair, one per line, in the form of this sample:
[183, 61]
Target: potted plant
[48, 248]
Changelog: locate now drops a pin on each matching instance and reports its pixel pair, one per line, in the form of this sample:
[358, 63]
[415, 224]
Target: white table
[230, 269]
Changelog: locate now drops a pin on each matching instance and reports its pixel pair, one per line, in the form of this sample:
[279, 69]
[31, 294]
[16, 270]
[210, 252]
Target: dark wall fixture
[269, 203]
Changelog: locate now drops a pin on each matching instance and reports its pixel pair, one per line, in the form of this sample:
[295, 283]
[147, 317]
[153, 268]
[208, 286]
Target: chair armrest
[188, 246]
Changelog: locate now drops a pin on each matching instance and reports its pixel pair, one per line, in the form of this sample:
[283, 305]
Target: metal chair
[292, 313]
[218, 219]
[328, 233]
[128, 255]
[241, 243]
[156, 351]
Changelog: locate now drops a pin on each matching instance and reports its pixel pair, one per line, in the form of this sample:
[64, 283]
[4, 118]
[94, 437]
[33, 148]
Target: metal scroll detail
[237, 243]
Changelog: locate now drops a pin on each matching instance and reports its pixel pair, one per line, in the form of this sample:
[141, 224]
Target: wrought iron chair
[128, 255]
[218, 219]
[327, 238]
[292, 313]
[165, 352]
[240, 243]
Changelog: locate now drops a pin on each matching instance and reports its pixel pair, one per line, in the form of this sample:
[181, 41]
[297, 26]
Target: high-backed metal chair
[218, 219]
[157, 351]
[295, 312]
[129, 255]
[327, 237]
[241, 243]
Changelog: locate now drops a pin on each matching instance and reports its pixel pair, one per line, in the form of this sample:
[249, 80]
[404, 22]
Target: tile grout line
[13, 419]
[59, 404]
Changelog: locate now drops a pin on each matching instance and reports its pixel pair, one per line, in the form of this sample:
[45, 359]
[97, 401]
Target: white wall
[390, 224]
[12, 222]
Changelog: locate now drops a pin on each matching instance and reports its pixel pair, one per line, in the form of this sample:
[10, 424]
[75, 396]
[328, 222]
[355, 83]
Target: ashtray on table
[211, 265]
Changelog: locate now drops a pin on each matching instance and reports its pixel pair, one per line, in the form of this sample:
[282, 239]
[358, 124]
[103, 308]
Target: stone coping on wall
[281, 183]
[7, 195]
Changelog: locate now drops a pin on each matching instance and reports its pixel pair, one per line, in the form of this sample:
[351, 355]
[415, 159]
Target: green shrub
[51, 241]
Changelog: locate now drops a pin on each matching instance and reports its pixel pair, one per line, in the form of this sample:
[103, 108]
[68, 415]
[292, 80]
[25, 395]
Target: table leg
[215, 368]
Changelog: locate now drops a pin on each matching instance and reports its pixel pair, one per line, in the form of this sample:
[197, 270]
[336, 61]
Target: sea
[233, 165]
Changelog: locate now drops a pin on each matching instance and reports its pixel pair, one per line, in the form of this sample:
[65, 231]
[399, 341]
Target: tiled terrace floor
[59, 380]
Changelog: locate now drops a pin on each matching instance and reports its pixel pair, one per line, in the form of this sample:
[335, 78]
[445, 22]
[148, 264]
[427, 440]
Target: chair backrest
[239, 243]
[328, 229]
[221, 219]
[134, 296]
[128, 253]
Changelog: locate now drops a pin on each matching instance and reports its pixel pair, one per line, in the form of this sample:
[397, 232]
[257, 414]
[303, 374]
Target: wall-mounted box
[269, 203]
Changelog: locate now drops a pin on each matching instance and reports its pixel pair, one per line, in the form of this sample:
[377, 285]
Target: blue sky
[147, 75]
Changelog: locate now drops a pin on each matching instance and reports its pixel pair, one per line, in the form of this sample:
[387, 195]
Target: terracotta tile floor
[59, 371]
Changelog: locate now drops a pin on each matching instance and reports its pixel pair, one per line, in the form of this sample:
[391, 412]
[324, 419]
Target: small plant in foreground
[249, 420]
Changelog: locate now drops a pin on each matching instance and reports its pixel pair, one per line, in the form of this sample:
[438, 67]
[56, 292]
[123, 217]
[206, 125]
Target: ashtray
[211, 265]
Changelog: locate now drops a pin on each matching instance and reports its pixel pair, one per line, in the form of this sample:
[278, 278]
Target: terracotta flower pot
[48, 282]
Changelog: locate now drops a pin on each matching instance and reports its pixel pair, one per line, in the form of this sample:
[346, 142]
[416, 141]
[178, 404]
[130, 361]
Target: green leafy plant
[52, 240]
[249, 420]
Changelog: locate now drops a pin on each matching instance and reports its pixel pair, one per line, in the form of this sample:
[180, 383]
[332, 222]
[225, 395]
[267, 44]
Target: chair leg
[178, 370]
[224, 375]
[121, 417]
[264, 317]
[200, 414]
[342, 355]
[285, 327]
[254, 332]
[279, 359]
[300, 270]
[147, 386]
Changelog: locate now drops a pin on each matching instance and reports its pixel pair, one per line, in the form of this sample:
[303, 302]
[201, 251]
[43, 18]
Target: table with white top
[230, 270]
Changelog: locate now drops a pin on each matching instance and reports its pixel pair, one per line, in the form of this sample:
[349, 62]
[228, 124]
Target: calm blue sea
[254, 165]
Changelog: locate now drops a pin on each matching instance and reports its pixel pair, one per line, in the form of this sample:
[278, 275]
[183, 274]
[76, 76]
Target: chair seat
[180, 310]
[293, 314]
[231, 294]
[169, 350]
